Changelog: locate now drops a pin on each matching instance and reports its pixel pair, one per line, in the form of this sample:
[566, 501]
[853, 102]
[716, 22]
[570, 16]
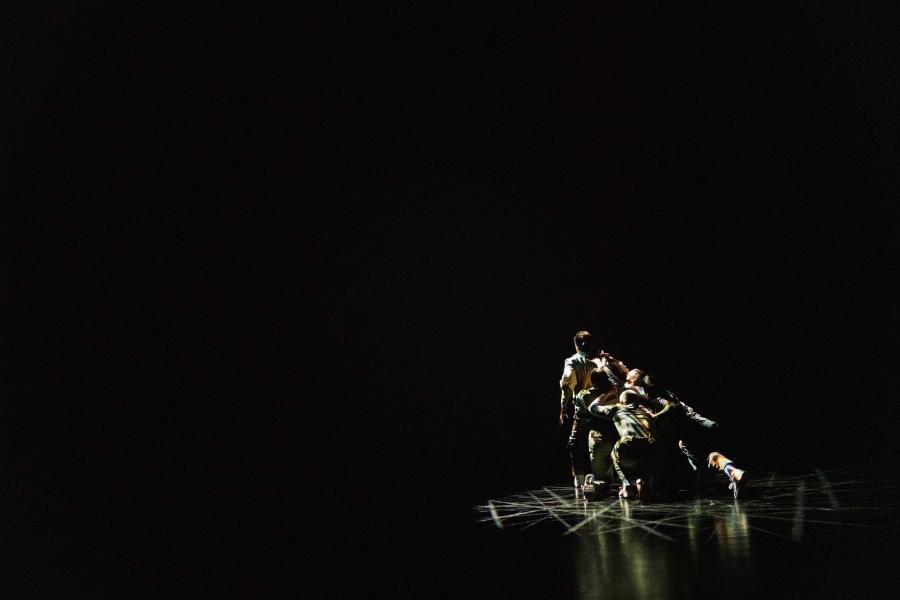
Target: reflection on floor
[782, 506]
[799, 534]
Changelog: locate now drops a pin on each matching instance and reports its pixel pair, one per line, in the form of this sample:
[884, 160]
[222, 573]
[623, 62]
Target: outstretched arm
[617, 365]
[667, 406]
[698, 418]
[598, 409]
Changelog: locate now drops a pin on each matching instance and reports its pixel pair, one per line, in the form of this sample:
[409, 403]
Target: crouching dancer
[635, 454]
[604, 390]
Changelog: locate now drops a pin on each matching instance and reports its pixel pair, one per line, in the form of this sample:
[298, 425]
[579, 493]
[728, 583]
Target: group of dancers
[626, 426]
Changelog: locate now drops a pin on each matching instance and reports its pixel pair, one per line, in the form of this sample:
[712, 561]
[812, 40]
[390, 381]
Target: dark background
[295, 288]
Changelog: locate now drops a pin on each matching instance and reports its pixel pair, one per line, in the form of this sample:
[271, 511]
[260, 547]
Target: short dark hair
[584, 340]
[600, 381]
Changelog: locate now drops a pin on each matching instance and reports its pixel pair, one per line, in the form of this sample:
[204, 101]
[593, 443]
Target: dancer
[691, 429]
[590, 441]
[635, 456]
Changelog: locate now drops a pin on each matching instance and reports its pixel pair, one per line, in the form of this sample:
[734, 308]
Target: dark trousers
[591, 453]
[633, 456]
[698, 442]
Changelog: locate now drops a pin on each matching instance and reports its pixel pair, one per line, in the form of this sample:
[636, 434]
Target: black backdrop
[298, 282]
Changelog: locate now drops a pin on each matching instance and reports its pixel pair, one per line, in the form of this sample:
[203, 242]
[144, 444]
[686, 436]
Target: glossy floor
[828, 533]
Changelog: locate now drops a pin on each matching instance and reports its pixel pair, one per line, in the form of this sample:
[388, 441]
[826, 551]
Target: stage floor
[831, 533]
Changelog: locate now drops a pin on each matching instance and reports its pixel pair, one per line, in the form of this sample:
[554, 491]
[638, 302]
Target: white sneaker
[588, 489]
[738, 481]
[644, 487]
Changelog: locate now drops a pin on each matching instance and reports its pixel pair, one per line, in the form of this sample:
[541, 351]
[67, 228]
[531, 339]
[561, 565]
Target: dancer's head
[600, 381]
[634, 377]
[601, 385]
[584, 342]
